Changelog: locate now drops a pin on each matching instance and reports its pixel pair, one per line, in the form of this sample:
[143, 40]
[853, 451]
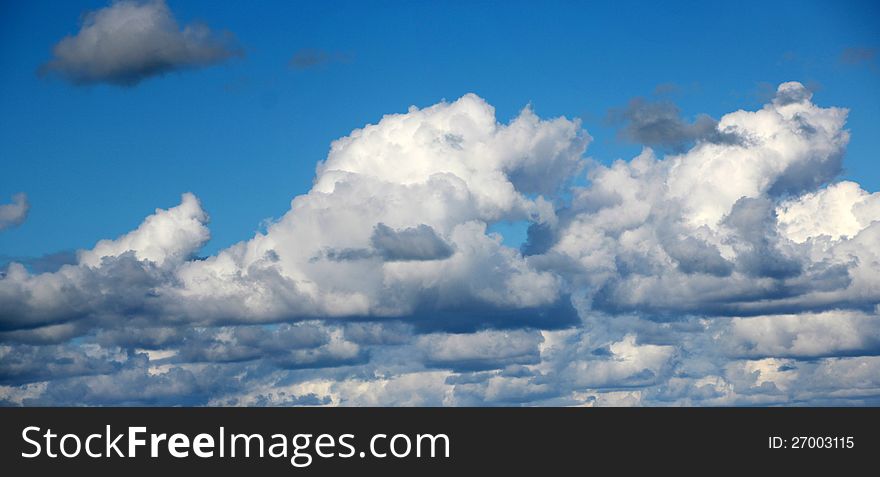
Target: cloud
[807, 335]
[659, 124]
[307, 58]
[858, 55]
[839, 211]
[166, 237]
[413, 243]
[14, 214]
[630, 364]
[50, 262]
[481, 350]
[723, 273]
[666, 89]
[620, 235]
[354, 245]
[130, 41]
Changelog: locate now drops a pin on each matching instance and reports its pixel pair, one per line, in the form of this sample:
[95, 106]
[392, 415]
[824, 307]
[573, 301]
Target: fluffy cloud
[732, 272]
[14, 214]
[830, 333]
[839, 211]
[164, 238]
[130, 41]
[481, 350]
[699, 232]
[354, 245]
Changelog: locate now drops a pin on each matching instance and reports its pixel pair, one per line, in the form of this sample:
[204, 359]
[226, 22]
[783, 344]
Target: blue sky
[287, 203]
[245, 135]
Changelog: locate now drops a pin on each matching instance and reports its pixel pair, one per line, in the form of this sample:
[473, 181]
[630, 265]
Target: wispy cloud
[858, 55]
[308, 58]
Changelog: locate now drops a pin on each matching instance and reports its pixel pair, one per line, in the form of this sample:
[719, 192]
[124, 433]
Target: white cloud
[792, 145]
[807, 335]
[709, 230]
[484, 349]
[839, 211]
[168, 237]
[452, 160]
[625, 364]
[735, 272]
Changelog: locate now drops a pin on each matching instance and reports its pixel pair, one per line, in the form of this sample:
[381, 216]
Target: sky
[439, 203]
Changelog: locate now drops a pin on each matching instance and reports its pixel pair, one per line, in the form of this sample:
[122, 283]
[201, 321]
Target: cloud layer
[729, 272]
[130, 41]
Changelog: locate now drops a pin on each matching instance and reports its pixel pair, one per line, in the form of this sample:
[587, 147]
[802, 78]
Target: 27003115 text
[811, 442]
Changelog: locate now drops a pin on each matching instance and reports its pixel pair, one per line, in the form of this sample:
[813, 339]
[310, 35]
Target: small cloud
[858, 56]
[419, 243]
[414, 243]
[14, 214]
[659, 124]
[664, 89]
[789, 56]
[792, 93]
[307, 58]
[130, 41]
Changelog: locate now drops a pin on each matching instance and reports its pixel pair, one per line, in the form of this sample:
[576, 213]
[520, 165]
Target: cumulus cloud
[698, 232]
[132, 40]
[727, 272]
[354, 245]
[15, 213]
[830, 333]
[168, 236]
[839, 211]
[481, 350]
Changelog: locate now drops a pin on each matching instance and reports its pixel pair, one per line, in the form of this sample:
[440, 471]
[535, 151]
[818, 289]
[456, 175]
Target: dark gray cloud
[130, 41]
[245, 343]
[25, 363]
[754, 221]
[413, 243]
[409, 244]
[345, 254]
[82, 290]
[697, 256]
[385, 333]
[659, 124]
[15, 213]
